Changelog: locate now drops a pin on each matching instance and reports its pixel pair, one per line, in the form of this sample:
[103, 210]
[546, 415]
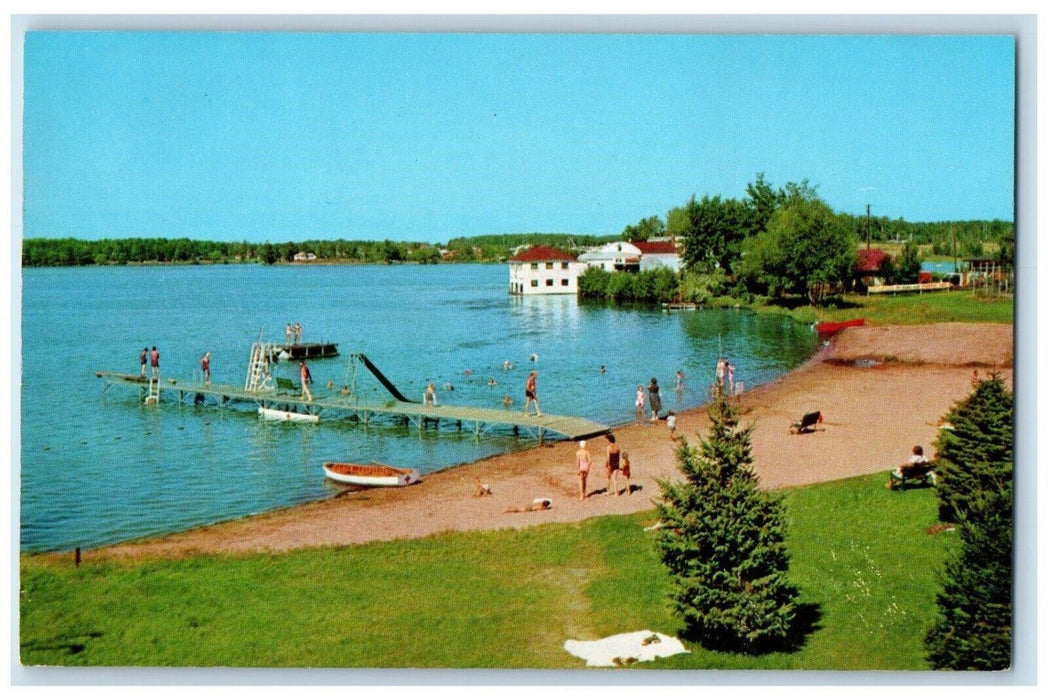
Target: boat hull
[276, 414]
[369, 474]
[831, 327]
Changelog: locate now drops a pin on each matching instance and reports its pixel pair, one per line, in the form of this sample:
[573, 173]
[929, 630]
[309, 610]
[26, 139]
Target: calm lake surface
[99, 468]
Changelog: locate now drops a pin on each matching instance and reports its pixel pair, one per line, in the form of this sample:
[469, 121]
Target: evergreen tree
[975, 452]
[723, 541]
[974, 629]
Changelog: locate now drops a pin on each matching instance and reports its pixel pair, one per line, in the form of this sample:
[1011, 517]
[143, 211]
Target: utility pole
[867, 227]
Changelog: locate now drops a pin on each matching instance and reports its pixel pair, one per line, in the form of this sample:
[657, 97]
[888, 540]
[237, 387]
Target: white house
[544, 270]
[655, 254]
[613, 256]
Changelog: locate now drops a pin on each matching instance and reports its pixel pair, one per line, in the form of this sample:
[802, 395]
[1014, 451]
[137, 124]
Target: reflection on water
[98, 468]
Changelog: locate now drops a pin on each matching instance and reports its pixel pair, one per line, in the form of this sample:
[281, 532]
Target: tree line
[55, 252]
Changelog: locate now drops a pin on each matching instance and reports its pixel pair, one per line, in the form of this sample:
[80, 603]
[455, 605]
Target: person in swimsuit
[143, 359]
[583, 460]
[306, 378]
[205, 367]
[531, 393]
[154, 359]
[640, 403]
[612, 464]
[429, 398]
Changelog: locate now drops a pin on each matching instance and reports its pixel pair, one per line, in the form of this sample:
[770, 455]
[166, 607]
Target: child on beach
[583, 460]
[624, 467]
[640, 403]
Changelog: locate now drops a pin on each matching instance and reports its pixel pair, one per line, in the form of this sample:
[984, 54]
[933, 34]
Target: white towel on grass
[603, 652]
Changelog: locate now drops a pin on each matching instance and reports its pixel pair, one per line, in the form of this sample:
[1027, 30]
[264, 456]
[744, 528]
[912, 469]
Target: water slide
[390, 386]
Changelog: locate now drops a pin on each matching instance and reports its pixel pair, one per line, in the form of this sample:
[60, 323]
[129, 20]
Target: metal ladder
[154, 389]
[258, 376]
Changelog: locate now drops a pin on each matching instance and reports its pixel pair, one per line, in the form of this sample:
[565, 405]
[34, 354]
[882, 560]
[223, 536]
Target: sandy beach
[881, 391]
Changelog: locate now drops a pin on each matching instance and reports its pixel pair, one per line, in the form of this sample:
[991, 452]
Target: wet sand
[881, 391]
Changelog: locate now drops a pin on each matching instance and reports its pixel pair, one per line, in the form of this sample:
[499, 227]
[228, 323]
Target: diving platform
[339, 407]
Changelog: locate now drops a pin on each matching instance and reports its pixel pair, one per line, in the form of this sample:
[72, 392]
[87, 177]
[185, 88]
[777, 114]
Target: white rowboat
[369, 474]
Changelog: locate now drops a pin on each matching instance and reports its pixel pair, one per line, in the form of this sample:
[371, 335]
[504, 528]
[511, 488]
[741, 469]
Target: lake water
[99, 468]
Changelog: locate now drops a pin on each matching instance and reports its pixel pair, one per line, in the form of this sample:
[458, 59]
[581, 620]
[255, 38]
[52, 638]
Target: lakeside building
[658, 253]
[544, 270]
[613, 257]
[869, 266]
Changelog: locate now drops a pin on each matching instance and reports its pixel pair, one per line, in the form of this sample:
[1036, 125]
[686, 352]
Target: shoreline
[874, 412]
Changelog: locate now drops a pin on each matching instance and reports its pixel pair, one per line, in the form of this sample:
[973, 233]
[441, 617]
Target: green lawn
[905, 309]
[866, 568]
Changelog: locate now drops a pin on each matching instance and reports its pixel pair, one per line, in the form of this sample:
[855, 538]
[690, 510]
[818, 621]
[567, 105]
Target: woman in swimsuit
[612, 464]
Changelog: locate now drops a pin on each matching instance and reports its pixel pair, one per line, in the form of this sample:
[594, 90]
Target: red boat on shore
[831, 327]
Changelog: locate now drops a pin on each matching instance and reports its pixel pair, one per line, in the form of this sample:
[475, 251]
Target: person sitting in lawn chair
[916, 469]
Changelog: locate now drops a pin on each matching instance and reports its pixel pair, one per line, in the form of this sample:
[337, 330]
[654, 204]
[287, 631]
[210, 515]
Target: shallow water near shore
[99, 468]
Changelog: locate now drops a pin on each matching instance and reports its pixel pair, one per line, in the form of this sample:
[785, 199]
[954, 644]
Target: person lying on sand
[537, 504]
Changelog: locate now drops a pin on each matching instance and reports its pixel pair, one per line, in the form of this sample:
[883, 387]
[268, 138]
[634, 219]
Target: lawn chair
[807, 423]
[922, 474]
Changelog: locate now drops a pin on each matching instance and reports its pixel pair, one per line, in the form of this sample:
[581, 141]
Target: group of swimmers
[615, 463]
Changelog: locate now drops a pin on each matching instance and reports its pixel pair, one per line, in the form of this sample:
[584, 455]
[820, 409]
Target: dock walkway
[339, 406]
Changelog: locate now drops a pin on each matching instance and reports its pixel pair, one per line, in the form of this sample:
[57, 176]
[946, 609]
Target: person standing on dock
[143, 359]
[298, 332]
[205, 367]
[429, 397]
[289, 333]
[305, 377]
[154, 359]
[531, 393]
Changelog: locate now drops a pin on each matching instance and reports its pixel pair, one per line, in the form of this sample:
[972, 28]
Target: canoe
[277, 414]
[369, 474]
[831, 327]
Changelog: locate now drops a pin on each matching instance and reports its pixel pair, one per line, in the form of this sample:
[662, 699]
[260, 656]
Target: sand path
[873, 416]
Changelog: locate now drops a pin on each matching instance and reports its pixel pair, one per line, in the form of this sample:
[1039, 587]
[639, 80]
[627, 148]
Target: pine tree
[975, 453]
[723, 541]
[974, 629]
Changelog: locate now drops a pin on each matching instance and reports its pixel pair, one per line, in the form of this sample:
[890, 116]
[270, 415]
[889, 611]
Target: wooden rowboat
[369, 474]
[277, 414]
[831, 327]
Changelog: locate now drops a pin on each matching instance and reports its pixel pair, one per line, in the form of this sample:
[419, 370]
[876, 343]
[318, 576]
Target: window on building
[549, 266]
[564, 283]
[534, 283]
[534, 266]
[549, 283]
[564, 266]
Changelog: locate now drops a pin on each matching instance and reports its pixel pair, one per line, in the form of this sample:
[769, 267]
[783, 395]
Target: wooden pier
[300, 351]
[337, 406]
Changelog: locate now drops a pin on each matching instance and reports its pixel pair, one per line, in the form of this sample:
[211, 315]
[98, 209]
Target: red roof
[870, 259]
[655, 248]
[541, 253]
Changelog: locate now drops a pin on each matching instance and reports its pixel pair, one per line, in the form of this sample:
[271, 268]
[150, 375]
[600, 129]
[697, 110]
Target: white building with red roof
[544, 270]
[655, 254]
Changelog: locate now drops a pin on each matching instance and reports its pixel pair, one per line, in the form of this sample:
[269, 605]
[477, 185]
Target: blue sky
[425, 137]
